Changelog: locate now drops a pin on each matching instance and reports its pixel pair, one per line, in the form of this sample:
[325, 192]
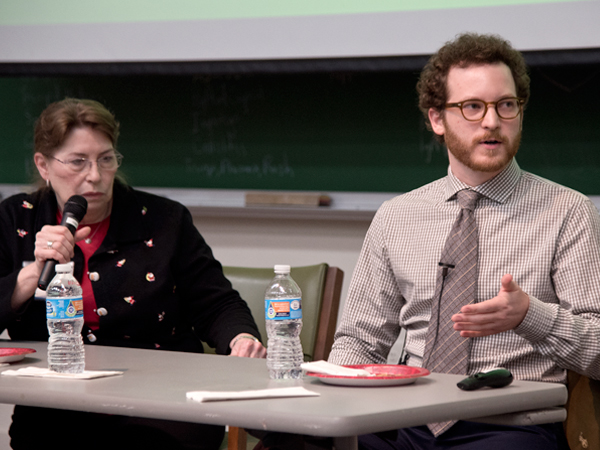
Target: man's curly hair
[467, 50]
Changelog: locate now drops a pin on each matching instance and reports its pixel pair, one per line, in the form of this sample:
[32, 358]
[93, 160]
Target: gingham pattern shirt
[546, 235]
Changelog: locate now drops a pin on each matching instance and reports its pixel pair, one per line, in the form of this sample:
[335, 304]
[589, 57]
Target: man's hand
[504, 312]
[247, 345]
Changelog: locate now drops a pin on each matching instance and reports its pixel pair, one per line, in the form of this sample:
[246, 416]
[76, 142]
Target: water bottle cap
[64, 268]
[281, 268]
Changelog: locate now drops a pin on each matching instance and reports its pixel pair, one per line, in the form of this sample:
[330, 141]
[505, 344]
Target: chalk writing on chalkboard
[429, 146]
[298, 131]
[220, 109]
[268, 166]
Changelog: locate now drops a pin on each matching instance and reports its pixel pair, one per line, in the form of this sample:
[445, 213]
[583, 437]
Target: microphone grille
[76, 205]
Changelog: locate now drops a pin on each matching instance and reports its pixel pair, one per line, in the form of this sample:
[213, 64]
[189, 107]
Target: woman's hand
[56, 242]
[245, 344]
[51, 242]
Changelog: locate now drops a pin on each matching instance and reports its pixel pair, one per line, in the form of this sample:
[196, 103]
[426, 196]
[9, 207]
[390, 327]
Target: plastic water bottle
[283, 315]
[64, 314]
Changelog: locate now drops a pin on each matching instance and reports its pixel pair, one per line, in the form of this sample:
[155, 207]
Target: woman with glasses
[149, 279]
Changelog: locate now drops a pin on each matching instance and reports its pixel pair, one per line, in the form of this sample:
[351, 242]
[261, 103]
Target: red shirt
[97, 235]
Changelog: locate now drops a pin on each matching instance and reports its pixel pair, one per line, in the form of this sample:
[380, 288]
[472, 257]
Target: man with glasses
[488, 267]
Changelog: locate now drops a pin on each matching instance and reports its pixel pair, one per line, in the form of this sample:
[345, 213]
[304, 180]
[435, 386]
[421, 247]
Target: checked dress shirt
[546, 235]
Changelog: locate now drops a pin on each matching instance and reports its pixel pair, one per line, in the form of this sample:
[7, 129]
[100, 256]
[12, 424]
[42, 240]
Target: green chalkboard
[357, 131]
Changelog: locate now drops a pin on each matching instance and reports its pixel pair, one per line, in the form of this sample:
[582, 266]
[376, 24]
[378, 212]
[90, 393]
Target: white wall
[266, 242]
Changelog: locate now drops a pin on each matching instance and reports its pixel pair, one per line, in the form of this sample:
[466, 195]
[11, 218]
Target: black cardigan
[157, 277]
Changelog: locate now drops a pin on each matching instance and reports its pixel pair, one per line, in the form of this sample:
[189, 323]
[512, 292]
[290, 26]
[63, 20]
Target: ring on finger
[49, 244]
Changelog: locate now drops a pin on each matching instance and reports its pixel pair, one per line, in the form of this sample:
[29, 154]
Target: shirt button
[94, 276]
[101, 312]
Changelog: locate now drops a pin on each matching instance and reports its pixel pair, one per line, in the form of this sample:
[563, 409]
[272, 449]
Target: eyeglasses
[107, 162]
[474, 110]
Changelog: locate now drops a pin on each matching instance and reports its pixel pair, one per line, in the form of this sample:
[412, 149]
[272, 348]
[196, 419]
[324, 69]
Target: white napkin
[332, 369]
[47, 373]
[215, 396]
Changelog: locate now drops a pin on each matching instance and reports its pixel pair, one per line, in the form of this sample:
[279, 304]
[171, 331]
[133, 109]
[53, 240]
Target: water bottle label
[283, 309]
[64, 308]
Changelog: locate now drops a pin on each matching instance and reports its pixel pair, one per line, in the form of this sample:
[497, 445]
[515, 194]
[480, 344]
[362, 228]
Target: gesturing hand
[501, 313]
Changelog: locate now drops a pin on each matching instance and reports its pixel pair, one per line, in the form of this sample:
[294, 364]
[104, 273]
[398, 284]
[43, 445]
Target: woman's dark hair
[59, 118]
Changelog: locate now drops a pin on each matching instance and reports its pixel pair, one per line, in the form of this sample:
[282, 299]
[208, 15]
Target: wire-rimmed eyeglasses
[110, 161]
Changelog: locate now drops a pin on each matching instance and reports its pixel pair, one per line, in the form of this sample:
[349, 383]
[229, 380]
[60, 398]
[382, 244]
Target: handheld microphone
[75, 209]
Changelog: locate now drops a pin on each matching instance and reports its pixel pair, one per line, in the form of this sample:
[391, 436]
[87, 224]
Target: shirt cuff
[538, 321]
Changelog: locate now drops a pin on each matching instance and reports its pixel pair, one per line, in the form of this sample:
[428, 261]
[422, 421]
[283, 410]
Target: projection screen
[84, 31]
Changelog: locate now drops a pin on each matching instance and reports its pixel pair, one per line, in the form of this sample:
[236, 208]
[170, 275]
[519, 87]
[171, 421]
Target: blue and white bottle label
[64, 308]
[288, 309]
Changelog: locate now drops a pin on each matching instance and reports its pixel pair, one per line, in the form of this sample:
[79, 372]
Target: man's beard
[463, 152]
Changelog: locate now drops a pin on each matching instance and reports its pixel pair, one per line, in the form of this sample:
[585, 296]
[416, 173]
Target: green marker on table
[494, 378]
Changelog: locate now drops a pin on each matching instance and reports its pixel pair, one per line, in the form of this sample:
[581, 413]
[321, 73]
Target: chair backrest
[321, 287]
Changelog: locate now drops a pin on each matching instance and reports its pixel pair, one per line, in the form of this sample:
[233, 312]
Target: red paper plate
[14, 354]
[382, 375]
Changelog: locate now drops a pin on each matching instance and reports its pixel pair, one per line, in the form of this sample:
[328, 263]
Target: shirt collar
[499, 188]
